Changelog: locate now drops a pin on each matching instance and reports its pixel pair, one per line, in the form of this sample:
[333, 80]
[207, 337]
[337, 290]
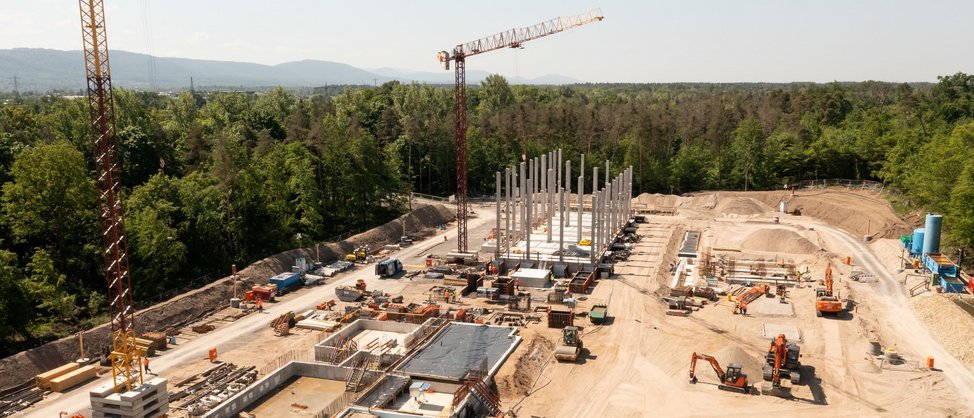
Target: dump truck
[388, 267]
[598, 313]
[571, 345]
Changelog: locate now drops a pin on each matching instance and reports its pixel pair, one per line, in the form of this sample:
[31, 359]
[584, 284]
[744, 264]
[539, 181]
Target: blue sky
[639, 41]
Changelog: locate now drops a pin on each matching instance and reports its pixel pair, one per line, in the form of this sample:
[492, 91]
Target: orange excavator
[733, 380]
[826, 301]
[782, 361]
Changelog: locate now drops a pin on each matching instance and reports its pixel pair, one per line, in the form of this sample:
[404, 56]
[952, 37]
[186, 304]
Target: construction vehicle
[827, 302]
[388, 267]
[733, 380]
[571, 345]
[360, 255]
[782, 361]
[598, 313]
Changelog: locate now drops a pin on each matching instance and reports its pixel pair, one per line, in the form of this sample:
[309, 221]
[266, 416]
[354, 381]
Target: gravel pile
[948, 323]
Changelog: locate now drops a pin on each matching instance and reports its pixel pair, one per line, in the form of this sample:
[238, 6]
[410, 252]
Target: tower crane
[512, 38]
[125, 358]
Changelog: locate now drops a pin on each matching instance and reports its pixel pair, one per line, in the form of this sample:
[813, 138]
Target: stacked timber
[43, 380]
[73, 378]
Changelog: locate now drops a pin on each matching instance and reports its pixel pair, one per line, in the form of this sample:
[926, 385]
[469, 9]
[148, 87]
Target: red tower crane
[512, 38]
[125, 358]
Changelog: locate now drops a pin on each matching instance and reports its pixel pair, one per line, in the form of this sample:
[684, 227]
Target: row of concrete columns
[536, 188]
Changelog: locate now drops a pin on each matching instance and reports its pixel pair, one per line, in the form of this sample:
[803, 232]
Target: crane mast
[512, 38]
[101, 113]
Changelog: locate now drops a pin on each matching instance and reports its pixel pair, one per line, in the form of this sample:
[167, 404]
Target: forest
[215, 178]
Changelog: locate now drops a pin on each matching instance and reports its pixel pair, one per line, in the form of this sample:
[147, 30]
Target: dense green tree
[50, 203]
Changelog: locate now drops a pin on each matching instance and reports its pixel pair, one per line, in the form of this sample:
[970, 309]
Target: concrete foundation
[773, 330]
[325, 377]
[150, 400]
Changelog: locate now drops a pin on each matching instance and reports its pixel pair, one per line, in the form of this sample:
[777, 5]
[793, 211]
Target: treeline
[227, 178]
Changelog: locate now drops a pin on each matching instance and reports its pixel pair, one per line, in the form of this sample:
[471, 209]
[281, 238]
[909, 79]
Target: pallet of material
[677, 312]
[44, 379]
[73, 378]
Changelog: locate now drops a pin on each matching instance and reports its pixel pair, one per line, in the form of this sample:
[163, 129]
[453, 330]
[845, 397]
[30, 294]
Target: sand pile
[659, 199]
[741, 206]
[516, 377]
[780, 241]
[750, 365]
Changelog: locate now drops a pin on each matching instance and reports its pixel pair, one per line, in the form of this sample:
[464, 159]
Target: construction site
[562, 294]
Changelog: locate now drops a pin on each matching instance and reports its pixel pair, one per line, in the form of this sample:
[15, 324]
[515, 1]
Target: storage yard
[720, 276]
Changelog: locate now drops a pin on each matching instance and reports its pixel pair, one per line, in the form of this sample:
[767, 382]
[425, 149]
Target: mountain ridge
[41, 69]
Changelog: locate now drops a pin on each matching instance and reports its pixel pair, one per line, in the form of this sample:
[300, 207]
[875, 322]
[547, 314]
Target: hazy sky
[639, 40]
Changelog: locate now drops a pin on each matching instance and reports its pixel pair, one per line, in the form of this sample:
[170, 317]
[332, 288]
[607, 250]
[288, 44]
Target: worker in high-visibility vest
[260, 305]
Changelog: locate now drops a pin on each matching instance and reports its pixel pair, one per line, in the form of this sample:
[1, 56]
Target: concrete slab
[791, 332]
[374, 341]
[460, 348]
[300, 396]
[771, 307]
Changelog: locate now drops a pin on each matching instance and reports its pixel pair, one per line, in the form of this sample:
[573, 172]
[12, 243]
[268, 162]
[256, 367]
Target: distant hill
[48, 69]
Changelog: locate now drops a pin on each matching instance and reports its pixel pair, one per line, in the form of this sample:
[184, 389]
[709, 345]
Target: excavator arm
[709, 359]
[780, 351]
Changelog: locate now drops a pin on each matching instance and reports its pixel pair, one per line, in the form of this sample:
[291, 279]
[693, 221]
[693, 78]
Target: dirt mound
[741, 206]
[750, 364]
[196, 304]
[780, 241]
[659, 199]
[519, 373]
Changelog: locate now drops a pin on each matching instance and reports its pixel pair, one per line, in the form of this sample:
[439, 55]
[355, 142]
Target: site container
[286, 280]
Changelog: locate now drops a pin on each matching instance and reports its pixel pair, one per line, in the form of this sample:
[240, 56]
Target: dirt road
[896, 314]
[240, 333]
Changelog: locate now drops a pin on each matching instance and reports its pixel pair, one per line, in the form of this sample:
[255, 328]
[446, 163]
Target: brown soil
[778, 240]
[740, 206]
[515, 382]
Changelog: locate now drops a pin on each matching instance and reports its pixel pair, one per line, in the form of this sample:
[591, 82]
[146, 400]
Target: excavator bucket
[768, 388]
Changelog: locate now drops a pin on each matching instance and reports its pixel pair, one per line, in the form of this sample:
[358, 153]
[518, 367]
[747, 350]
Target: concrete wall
[237, 403]
[326, 348]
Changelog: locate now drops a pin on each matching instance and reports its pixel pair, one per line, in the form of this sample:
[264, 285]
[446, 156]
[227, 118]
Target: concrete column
[595, 181]
[507, 207]
[551, 200]
[581, 186]
[561, 223]
[568, 188]
[609, 212]
[604, 212]
[527, 252]
[543, 191]
[558, 168]
[595, 229]
[606, 171]
[522, 194]
[581, 173]
[497, 230]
